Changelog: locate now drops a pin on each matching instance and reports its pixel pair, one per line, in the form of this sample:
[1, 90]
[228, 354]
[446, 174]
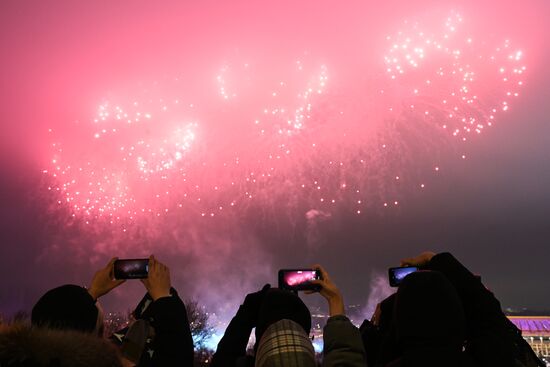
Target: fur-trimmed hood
[24, 346]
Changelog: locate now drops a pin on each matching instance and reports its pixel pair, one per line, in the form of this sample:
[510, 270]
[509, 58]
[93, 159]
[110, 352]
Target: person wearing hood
[161, 338]
[487, 329]
[429, 322]
[443, 315]
[283, 324]
[268, 307]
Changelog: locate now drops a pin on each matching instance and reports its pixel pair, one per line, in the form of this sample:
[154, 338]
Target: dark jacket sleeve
[232, 346]
[342, 343]
[487, 329]
[172, 344]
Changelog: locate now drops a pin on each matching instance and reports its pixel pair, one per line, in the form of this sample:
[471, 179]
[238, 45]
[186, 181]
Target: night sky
[60, 60]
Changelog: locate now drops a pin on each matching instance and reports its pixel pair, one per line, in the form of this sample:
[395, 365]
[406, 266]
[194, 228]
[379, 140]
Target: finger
[406, 262]
[162, 267]
[320, 282]
[321, 270]
[111, 262]
[167, 273]
[309, 292]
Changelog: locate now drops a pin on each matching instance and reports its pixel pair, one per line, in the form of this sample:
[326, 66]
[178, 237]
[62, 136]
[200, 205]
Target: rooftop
[532, 325]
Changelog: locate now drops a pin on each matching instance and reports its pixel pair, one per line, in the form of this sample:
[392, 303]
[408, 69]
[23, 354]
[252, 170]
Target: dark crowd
[440, 315]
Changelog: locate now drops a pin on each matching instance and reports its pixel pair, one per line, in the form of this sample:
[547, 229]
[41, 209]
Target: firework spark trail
[142, 155]
[124, 146]
[452, 79]
[291, 141]
[289, 121]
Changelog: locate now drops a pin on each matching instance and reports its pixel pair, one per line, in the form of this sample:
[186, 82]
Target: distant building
[536, 331]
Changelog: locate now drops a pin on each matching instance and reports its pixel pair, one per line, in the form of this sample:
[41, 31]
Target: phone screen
[298, 279]
[131, 268]
[396, 275]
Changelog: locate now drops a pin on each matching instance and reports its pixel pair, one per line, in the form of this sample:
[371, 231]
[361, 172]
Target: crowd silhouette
[440, 315]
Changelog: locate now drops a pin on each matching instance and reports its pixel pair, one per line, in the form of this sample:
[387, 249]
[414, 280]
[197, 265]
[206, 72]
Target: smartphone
[397, 275]
[131, 268]
[299, 279]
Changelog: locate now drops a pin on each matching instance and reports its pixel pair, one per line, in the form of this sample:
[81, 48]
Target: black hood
[429, 320]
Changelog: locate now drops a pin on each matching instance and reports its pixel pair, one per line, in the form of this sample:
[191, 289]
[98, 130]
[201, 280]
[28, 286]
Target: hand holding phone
[330, 292]
[103, 282]
[299, 279]
[158, 282]
[131, 268]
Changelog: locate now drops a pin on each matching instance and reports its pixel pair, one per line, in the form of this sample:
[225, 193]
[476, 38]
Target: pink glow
[150, 149]
[182, 127]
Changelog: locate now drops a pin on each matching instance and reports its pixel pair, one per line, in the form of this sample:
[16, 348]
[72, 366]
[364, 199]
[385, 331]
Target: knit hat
[281, 304]
[285, 344]
[69, 307]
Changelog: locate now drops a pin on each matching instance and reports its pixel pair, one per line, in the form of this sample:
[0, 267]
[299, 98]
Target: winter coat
[259, 310]
[171, 343]
[342, 344]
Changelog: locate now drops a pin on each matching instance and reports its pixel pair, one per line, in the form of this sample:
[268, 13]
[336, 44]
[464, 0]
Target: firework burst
[288, 140]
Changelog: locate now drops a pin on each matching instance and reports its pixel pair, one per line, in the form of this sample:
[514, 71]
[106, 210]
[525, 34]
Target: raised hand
[104, 281]
[329, 291]
[421, 260]
[157, 282]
